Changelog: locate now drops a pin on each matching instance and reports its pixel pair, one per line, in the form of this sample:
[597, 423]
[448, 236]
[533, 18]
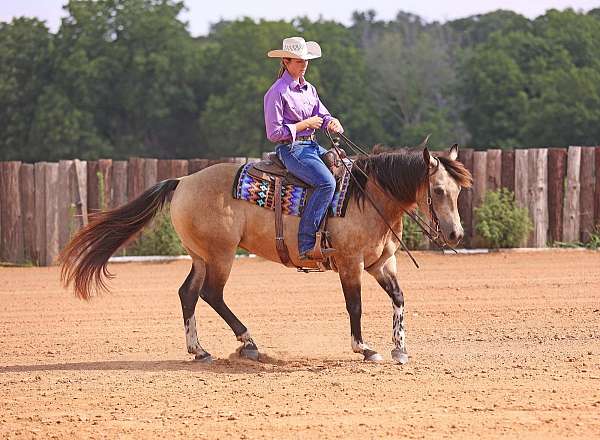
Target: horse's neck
[391, 209]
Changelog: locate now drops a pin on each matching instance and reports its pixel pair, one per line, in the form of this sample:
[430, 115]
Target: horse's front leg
[386, 277]
[351, 284]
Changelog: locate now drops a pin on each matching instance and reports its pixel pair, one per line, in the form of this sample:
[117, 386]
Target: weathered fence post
[135, 177]
[465, 198]
[196, 165]
[66, 212]
[522, 182]
[586, 197]
[508, 170]
[597, 189]
[27, 190]
[150, 172]
[11, 234]
[39, 177]
[557, 161]
[80, 176]
[93, 194]
[104, 174]
[51, 201]
[571, 208]
[119, 183]
[494, 169]
[479, 190]
[538, 196]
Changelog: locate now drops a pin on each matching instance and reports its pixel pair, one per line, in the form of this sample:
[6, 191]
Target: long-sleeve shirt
[289, 101]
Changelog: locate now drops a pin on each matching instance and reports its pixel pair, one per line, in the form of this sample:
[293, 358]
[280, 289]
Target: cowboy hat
[296, 47]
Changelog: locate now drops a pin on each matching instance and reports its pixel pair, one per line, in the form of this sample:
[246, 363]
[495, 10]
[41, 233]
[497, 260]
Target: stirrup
[318, 253]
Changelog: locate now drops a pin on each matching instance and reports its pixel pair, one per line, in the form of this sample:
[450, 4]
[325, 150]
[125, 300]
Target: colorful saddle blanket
[293, 198]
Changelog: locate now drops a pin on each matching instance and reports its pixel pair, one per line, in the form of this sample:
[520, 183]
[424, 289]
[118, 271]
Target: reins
[433, 233]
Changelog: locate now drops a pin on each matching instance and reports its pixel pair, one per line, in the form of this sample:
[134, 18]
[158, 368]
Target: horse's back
[202, 207]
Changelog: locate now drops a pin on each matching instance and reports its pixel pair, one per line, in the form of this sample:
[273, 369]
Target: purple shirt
[288, 102]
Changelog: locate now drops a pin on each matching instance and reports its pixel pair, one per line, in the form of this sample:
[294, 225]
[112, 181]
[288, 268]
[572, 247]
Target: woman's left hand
[335, 126]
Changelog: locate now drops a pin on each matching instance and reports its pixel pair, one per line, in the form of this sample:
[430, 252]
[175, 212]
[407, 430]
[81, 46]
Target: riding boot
[318, 253]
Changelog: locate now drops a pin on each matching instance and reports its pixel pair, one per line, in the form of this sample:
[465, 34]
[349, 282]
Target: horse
[212, 224]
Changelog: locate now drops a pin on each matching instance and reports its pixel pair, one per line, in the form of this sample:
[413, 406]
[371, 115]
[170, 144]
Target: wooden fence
[43, 204]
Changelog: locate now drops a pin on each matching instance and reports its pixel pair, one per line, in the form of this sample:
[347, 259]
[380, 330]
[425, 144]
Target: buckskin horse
[212, 224]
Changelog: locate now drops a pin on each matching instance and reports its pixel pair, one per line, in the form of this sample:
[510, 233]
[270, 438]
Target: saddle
[272, 169]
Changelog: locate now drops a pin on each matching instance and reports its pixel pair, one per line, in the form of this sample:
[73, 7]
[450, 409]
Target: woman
[293, 111]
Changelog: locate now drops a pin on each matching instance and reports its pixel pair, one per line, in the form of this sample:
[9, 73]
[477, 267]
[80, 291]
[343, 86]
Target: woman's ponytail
[281, 69]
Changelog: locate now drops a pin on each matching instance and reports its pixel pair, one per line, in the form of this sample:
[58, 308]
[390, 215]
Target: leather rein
[433, 232]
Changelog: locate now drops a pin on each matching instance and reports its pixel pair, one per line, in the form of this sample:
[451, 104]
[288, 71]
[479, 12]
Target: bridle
[432, 231]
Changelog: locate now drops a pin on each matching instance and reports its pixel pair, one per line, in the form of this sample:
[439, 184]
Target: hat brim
[313, 50]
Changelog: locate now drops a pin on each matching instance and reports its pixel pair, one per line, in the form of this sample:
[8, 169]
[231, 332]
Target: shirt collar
[292, 83]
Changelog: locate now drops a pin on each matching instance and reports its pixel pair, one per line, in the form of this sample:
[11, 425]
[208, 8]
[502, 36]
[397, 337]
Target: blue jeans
[303, 160]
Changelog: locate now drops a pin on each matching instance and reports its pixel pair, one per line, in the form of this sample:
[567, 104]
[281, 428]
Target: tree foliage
[125, 77]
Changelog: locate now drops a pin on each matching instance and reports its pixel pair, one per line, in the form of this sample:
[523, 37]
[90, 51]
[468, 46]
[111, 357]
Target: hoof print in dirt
[249, 353]
[205, 358]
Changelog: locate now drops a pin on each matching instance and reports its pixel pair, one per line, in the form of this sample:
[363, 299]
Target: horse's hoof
[399, 356]
[372, 356]
[249, 353]
[204, 358]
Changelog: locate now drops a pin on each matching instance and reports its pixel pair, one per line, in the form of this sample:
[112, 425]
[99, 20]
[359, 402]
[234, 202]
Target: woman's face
[296, 67]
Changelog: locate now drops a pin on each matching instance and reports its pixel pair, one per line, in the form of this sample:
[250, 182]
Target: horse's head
[440, 200]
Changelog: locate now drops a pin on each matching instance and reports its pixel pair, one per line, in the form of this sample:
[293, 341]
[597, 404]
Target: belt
[310, 137]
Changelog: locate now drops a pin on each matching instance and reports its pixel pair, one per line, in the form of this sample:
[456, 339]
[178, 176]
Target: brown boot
[318, 254]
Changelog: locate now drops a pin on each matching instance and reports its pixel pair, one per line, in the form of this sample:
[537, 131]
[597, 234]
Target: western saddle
[273, 170]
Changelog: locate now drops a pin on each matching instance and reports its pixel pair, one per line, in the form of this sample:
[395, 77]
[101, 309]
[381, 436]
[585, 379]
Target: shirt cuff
[326, 120]
[292, 129]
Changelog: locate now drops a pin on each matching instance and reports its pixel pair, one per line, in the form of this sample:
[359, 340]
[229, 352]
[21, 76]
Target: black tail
[85, 258]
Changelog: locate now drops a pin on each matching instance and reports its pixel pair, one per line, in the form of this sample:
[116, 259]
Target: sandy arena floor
[501, 345]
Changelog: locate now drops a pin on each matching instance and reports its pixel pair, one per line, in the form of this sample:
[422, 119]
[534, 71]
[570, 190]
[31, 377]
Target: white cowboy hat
[296, 47]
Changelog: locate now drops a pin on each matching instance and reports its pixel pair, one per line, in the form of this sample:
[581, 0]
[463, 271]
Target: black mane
[400, 173]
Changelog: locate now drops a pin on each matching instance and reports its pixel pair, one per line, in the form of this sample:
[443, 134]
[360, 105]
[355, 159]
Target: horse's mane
[401, 172]
[457, 171]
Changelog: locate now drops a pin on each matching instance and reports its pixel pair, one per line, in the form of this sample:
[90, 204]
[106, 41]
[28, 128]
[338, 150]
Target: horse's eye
[439, 191]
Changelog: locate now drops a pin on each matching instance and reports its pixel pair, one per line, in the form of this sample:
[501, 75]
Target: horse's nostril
[452, 235]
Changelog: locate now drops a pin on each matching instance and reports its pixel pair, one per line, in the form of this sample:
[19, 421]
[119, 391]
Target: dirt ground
[501, 345]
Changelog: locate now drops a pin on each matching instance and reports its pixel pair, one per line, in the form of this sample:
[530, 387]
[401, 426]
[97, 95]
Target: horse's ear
[424, 142]
[453, 153]
[428, 158]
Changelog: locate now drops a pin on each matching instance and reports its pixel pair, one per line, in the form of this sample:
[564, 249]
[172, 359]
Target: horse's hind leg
[188, 294]
[217, 272]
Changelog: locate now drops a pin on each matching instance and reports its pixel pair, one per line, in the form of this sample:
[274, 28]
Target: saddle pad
[293, 198]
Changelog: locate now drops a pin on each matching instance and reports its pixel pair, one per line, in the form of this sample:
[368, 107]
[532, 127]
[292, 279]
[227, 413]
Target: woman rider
[293, 111]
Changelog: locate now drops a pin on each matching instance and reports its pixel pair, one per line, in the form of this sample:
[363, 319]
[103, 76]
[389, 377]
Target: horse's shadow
[232, 365]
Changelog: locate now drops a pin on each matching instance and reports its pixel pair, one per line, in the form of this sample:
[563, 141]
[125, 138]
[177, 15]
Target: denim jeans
[303, 160]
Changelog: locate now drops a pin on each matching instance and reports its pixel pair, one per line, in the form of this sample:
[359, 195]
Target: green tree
[412, 76]
[238, 75]
[25, 67]
[131, 65]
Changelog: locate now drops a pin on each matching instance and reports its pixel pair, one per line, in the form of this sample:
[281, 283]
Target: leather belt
[310, 137]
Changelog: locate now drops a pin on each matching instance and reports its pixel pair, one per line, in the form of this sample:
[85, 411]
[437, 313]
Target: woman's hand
[314, 122]
[335, 126]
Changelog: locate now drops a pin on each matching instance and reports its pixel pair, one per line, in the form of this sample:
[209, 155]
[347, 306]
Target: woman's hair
[282, 67]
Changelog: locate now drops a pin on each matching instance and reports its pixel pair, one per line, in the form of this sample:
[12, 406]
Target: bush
[158, 239]
[500, 222]
[593, 241]
[412, 235]
[594, 238]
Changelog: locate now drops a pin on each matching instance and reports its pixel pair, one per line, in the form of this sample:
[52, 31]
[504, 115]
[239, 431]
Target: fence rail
[43, 204]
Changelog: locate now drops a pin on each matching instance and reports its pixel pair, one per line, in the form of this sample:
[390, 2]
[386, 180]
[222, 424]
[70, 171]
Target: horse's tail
[85, 258]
